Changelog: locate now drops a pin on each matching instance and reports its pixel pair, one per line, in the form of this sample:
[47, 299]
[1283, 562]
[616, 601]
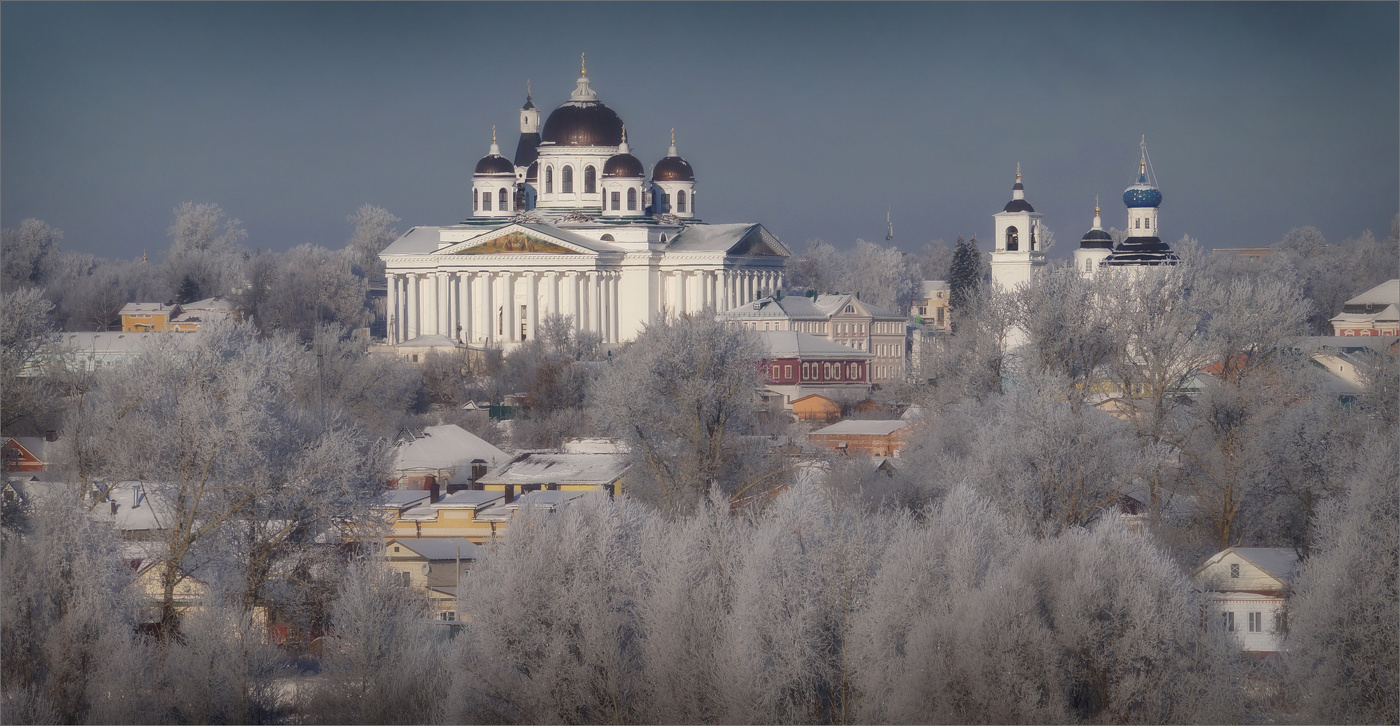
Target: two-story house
[839, 318]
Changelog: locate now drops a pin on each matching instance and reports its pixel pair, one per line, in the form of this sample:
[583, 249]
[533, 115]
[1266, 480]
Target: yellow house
[453, 516]
[434, 565]
[535, 471]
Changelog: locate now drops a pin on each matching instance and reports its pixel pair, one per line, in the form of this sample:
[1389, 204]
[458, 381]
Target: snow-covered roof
[416, 241]
[429, 340]
[401, 498]
[119, 343]
[1280, 563]
[446, 447]
[539, 467]
[35, 445]
[595, 445]
[1387, 292]
[218, 303]
[862, 428]
[736, 238]
[1390, 313]
[437, 548]
[550, 500]
[790, 343]
[1333, 343]
[795, 307]
[832, 304]
[145, 308]
[469, 499]
[140, 507]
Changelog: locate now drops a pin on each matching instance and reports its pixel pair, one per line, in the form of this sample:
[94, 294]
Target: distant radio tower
[889, 226]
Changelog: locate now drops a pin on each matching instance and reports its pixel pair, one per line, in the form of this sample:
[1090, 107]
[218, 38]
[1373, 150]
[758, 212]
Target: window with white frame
[1229, 620]
[1234, 570]
[1256, 622]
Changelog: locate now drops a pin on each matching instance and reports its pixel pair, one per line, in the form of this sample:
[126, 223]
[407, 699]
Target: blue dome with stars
[1142, 194]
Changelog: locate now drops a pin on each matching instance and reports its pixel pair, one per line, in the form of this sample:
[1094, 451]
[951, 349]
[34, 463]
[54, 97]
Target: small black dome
[583, 123]
[1135, 251]
[529, 104]
[495, 164]
[672, 168]
[533, 173]
[1018, 205]
[1096, 239]
[623, 165]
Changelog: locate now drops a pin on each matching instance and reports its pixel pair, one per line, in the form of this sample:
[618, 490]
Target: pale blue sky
[809, 118]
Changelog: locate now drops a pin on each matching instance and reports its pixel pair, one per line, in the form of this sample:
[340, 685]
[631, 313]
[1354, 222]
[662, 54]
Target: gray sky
[809, 118]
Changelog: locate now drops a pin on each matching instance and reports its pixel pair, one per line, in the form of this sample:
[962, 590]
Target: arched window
[1137, 224]
[680, 201]
[502, 202]
[1013, 239]
[616, 201]
[590, 180]
[486, 202]
[607, 238]
[1088, 265]
[632, 199]
[476, 201]
[566, 180]
[549, 180]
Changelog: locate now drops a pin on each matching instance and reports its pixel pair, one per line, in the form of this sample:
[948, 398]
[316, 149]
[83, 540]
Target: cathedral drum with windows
[572, 226]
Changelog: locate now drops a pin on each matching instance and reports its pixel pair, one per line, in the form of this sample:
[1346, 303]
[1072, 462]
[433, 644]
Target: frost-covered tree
[1343, 617]
[68, 618]
[312, 286]
[882, 276]
[820, 267]
[934, 260]
[381, 663]
[374, 230]
[1067, 327]
[27, 344]
[575, 658]
[211, 424]
[205, 252]
[27, 252]
[222, 668]
[682, 396]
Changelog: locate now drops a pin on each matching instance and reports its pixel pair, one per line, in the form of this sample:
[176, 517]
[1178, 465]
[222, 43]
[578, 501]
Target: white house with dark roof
[573, 227]
[1247, 588]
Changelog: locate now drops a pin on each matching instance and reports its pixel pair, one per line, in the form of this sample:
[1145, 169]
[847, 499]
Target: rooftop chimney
[433, 490]
[51, 435]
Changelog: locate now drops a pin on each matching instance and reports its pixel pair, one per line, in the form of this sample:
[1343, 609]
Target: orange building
[816, 407]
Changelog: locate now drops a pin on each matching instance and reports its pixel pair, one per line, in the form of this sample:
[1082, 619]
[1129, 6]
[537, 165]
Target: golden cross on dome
[493, 133]
[624, 133]
[1096, 205]
[583, 63]
[673, 136]
[527, 88]
[1018, 171]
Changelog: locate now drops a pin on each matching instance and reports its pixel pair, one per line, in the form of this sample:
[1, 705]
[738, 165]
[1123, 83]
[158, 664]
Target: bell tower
[1017, 253]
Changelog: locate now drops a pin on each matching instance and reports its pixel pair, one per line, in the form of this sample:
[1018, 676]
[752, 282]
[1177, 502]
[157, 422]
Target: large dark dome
[495, 164]
[583, 123]
[1018, 205]
[623, 165]
[1096, 239]
[672, 168]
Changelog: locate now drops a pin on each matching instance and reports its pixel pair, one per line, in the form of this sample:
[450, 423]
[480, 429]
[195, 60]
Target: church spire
[495, 150]
[582, 92]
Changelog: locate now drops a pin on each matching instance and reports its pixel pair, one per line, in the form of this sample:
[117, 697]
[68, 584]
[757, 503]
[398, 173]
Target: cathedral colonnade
[691, 291]
[468, 306]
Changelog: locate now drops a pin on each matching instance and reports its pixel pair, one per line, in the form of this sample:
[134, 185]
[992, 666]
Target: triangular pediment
[517, 239]
[758, 242]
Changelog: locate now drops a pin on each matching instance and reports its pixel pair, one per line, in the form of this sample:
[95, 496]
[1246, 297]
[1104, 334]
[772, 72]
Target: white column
[605, 307]
[576, 299]
[488, 307]
[468, 307]
[726, 281]
[532, 288]
[411, 283]
[595, 303]
[616, 311]
[443, 304]
[780, 279]
[554, 293]
[454, 306]
[512, 318]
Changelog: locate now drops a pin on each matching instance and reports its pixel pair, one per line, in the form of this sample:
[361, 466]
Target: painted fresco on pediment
[517, 243]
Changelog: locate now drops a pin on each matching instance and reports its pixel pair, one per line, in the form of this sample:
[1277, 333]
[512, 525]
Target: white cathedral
[1018, 255]
[572, 226]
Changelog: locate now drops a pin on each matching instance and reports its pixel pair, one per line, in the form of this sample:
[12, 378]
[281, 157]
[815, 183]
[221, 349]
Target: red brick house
[799, 364]
[28, 453]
